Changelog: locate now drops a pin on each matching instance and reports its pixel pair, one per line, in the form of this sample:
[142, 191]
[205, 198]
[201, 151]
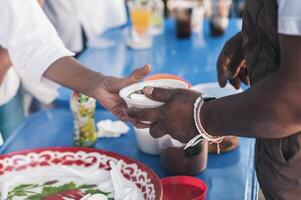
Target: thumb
[160, 94]
[138, 74]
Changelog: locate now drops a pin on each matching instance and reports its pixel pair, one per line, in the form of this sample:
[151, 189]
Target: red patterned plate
[61, 173]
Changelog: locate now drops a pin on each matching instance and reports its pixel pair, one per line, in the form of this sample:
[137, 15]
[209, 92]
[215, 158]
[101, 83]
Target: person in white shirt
[266, 54]
[78, 22]
[35, 50]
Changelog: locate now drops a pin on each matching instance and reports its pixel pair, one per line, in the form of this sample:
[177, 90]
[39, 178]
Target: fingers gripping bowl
[134, 98]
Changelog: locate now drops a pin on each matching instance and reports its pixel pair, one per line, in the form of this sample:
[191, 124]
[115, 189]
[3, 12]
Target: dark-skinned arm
[269, 109]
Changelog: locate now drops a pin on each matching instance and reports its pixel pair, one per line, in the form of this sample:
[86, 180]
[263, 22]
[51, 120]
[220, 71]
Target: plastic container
[146, 143]
[157, 19]
[139, 37]
[184, 188]
[219, 16]
[83, 109]
[183, 15]
[175, 160]
[145, 102]
[197, 21]
[167, 76]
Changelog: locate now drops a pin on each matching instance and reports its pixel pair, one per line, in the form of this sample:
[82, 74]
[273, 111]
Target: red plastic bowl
[184, 188]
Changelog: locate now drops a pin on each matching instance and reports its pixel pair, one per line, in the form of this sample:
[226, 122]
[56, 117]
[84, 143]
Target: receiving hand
[107, 91]
[231, 65]
[174, 118]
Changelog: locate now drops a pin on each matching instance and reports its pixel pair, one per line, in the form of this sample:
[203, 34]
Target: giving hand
[107, 91]
[175, 117]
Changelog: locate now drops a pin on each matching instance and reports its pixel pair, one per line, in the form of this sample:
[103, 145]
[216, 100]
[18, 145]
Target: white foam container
[146, 143]
[148, 103]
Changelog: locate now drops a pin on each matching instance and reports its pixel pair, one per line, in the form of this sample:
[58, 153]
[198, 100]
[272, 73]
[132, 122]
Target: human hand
[175, 117]
[231, 65]
[5, 63]
[107, 91]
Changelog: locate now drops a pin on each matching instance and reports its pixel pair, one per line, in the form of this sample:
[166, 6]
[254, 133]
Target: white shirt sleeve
[30, 38]
[289, 17]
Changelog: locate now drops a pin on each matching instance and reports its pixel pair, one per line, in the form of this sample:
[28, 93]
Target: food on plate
[55, 190]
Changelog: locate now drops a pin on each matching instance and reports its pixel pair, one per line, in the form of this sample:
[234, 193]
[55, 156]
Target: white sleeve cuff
[289, 26]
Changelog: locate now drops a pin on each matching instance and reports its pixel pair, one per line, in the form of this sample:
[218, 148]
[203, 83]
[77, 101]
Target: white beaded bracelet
[203, 135]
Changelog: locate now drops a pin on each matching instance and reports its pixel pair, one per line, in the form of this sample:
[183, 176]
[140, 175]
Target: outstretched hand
[107, 92]
[174, 118]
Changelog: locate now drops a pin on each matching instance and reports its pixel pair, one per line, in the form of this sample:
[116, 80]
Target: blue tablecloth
[194, 59]
[230, 176]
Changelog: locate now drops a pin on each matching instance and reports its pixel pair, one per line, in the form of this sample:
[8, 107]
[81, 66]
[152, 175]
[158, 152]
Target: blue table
[230, 176]
[194, 59]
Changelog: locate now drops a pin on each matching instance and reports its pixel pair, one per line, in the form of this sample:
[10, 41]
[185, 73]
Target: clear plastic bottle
[157, 19]
[83, 108]
[198, 15]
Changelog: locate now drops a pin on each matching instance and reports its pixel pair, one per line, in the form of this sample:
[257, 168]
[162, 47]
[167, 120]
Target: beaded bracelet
[203, 135]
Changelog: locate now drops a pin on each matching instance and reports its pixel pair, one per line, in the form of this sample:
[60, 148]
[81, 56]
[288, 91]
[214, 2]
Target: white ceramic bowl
[146, 102]
[146, 143]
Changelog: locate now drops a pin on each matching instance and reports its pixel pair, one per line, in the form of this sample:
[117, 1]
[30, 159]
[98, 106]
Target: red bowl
[184, 188]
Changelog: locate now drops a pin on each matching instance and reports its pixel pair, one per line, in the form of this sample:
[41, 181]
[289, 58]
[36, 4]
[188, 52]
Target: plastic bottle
[157, 19]
[83, 109]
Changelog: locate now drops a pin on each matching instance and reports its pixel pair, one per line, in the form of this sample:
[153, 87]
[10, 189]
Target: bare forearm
[268, 110]
[70, 73]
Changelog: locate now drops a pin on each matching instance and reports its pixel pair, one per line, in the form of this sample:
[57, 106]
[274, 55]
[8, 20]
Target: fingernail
[148, 90]
[228, 74]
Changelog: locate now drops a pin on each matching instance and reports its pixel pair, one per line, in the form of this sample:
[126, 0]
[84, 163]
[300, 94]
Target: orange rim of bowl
[168, 76]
